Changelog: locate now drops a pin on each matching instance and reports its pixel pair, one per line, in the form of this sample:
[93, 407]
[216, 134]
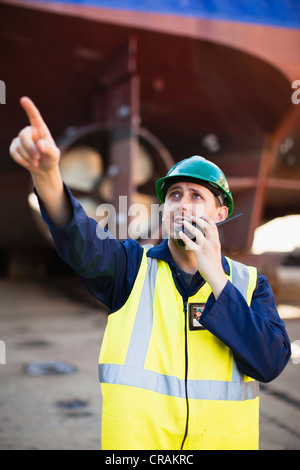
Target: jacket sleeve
[256, 334]
[106, 266]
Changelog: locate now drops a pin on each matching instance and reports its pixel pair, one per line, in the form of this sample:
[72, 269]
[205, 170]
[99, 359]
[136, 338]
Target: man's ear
[222, 213]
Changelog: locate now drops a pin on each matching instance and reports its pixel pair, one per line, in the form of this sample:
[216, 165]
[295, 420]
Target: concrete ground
[43, 321]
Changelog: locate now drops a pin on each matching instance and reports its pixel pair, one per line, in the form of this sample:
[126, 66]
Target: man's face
[186, 199]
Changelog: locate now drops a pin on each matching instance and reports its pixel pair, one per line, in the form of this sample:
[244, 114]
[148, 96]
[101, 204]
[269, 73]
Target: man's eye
[175, 194]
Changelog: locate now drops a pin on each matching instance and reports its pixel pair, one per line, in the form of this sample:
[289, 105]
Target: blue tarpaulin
[284, 13]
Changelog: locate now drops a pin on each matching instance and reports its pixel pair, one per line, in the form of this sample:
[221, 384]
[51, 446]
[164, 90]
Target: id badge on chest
[195, 312]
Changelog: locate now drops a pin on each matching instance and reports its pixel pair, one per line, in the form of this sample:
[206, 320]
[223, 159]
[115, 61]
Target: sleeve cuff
[45, 216]
[212, 303]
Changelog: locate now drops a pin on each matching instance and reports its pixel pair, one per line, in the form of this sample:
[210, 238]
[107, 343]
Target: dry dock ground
[44, 321]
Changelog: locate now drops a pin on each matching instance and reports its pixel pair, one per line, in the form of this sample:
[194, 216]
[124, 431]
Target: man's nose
[185, 202]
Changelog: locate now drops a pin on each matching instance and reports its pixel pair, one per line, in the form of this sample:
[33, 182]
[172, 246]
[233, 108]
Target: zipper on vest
[185, 303]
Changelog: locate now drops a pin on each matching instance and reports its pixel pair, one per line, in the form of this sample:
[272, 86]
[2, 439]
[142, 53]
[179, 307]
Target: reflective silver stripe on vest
[240, 277]
[174, 387]
[133, 374]
[142, 328]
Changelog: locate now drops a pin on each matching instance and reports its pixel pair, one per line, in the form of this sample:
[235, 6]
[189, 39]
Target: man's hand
[207, 251]
[34, 148]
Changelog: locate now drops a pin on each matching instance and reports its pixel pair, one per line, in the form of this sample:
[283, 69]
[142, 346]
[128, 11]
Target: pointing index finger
[40, 130]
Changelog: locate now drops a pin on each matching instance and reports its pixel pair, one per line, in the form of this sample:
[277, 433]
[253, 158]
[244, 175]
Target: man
[168, 381]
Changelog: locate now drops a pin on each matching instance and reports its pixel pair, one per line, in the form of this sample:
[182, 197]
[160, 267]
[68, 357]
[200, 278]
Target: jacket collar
[161, 251]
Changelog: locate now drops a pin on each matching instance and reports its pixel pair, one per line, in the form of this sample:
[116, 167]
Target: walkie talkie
[191, 236]
[187, 233]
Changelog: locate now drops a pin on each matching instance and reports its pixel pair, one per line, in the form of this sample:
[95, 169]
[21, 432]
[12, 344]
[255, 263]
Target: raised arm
[106, 266]
[35, 150]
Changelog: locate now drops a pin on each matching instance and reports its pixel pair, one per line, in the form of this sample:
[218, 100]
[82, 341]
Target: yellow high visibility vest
[166, 386]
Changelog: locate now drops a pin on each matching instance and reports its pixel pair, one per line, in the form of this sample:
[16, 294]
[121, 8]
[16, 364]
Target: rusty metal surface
[225, 97]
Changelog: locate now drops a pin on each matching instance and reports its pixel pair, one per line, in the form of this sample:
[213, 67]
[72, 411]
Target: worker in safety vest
[190, 332]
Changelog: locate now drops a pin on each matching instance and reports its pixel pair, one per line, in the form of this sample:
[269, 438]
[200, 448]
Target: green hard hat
[200, 171]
